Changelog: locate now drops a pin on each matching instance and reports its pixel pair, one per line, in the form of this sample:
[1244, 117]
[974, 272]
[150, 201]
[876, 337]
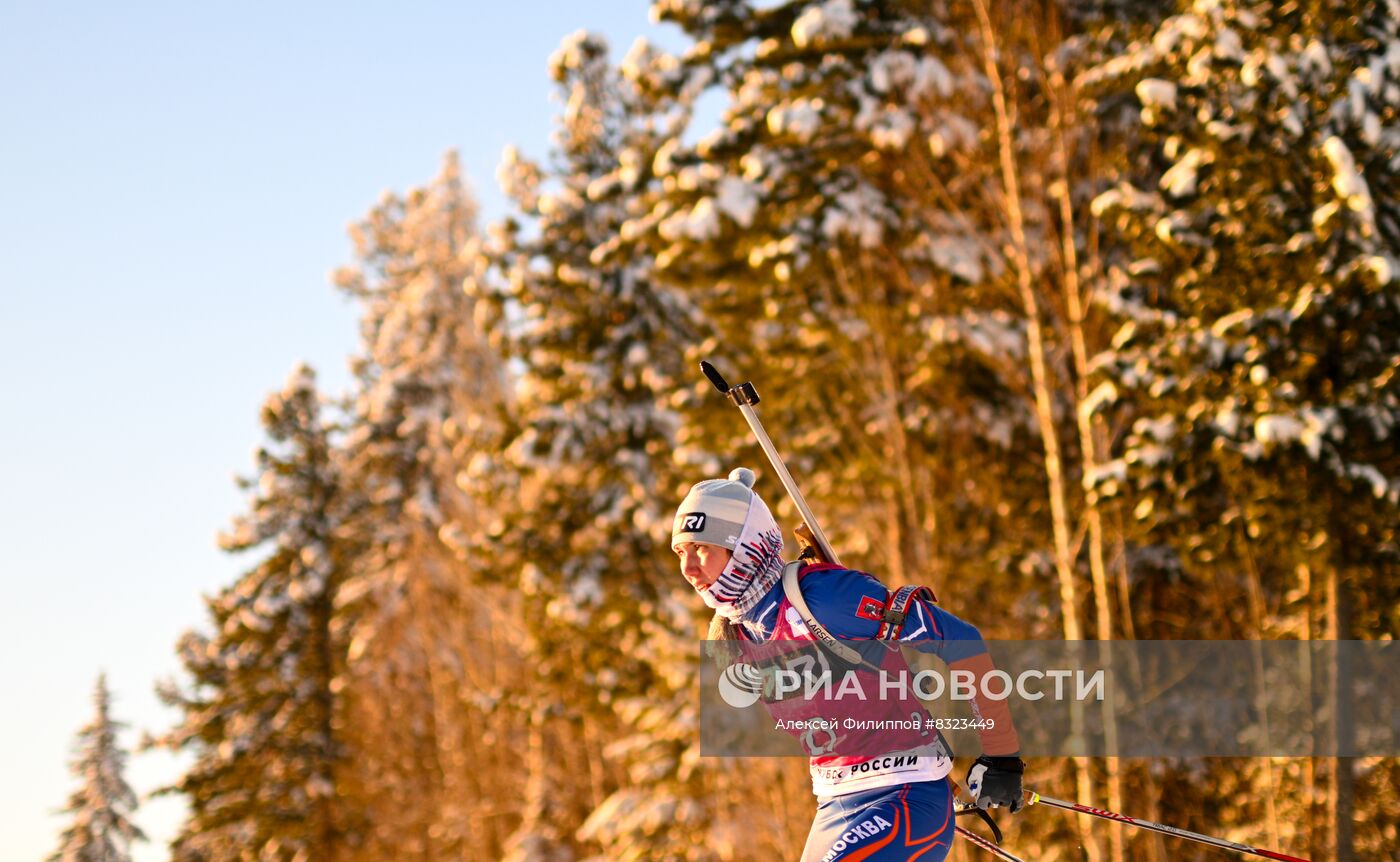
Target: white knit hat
[727, 513]
[715, 510]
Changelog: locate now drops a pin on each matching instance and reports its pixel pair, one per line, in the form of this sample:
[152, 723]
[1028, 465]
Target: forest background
[1083, 313]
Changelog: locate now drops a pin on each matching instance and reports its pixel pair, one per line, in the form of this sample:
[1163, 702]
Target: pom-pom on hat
[714, 512]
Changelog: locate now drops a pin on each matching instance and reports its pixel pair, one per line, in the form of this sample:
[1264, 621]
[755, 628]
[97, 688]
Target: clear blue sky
[175, 183]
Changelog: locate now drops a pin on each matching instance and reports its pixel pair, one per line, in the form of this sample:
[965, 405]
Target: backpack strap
[897, 610]
[793, 591]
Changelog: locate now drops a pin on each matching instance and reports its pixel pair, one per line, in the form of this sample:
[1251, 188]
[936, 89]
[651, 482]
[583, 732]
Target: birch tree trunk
[1076, 302]
[1342, 787]
[1044, 402]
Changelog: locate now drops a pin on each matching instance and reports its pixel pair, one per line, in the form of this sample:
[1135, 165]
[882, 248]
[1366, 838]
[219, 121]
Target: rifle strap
[897, 610]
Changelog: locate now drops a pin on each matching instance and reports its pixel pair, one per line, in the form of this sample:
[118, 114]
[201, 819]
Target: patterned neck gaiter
[753, 570]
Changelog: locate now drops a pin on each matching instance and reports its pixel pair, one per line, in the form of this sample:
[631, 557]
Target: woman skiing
[877, 799]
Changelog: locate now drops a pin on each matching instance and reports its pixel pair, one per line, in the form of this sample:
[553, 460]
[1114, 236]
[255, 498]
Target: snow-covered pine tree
[1261, 351]
[259, 705]
[584, 487]
[789, 224]
[1263, 305]
[429, 390]
[840, 228]
[100, 810]
[429, 384]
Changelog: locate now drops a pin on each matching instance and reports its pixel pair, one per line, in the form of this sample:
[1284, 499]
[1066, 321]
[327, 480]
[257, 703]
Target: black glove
[996, 781]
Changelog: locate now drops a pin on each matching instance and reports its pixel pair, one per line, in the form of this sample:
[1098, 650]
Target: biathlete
[879, 799]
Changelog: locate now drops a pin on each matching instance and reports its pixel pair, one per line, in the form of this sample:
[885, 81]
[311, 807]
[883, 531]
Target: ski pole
[745, 397]
[1034, 798]
[991, 848]
[993, 845]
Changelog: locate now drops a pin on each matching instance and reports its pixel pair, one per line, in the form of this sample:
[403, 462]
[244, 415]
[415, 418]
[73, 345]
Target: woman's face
[702, 563]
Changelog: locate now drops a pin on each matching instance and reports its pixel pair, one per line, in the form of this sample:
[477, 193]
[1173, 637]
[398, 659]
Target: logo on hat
[693, 523]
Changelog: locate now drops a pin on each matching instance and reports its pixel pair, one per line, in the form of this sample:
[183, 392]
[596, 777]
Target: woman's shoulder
[848, 601]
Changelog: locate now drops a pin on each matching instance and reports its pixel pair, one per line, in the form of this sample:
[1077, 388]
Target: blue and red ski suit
[894, 803]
